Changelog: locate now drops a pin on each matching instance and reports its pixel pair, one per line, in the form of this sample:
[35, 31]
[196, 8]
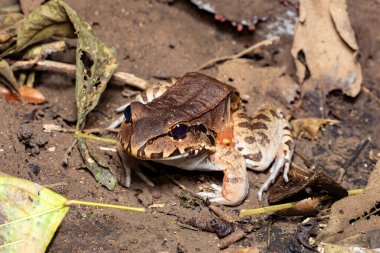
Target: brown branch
[222, 214]
[369, 93]
[70, 69]
[231, 238]
[212, 62]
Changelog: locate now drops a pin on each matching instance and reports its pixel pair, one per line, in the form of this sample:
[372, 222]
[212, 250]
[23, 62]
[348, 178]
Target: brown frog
[199, 123]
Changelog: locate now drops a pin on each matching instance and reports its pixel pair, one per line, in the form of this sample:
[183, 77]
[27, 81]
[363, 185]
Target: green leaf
[29, 215]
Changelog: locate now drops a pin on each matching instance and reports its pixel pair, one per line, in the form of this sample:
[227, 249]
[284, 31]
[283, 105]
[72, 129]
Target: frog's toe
[216, 187]
[208, 195]
[216, 197]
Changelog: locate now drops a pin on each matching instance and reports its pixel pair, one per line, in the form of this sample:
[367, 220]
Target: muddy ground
[162, 39]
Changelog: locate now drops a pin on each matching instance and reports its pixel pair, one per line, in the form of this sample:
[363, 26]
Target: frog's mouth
[166, 147]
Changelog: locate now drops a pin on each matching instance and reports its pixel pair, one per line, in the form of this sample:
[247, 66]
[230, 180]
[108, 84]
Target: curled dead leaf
[325, 50]
[8, 95]
[32, 95]
[309, 127]
[28, 94]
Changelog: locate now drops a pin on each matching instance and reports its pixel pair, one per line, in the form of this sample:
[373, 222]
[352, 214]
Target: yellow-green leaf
[29, 215]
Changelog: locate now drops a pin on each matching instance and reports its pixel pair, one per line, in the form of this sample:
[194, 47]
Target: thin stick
[70, 69]
[85, 203]
[267, 209]
[267, 42]
[221, 214]
[358, 150]
[231, 238]
[55, 185]
[69, 151]
[182, 225]
[369, 93]
[96, 138]
[179, 184]
[55, 128]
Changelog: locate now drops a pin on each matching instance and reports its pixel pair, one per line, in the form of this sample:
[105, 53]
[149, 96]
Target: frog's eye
[128, 114]
[179, 131]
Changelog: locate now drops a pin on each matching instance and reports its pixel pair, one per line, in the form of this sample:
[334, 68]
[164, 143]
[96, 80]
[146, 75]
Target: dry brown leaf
[334, 248]
[258, 85]
[325, 49]
[354, 214]
[8, 95]
[31, 95]
[369, 239]
[309, 127]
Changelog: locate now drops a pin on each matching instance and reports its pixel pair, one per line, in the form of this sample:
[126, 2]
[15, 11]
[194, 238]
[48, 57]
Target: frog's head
[145, 138]
[183, 122]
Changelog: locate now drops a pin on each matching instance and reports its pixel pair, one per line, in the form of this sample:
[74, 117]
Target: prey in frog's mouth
[180, 141]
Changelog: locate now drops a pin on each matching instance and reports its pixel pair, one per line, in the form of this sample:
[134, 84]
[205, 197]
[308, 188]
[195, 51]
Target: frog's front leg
[264, 141]
[130, 163]
[235, 182]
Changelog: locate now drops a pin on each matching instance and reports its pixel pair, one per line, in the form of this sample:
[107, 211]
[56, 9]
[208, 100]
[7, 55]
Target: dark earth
[161, 39]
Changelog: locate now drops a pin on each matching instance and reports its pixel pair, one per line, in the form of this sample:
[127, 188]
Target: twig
[55, 128]
[182, 225]
[116, 122]
[70, 69]
[96, 138]
[222, 215]
[268, 233]
[55, 185]
[68, 152]
[369, 93]
[267, 42]
[267, 209]
[179, 184]
[86, 203]
[231, 238]
[359, 149]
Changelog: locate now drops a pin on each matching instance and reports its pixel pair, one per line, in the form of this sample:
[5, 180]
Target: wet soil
[163, 39]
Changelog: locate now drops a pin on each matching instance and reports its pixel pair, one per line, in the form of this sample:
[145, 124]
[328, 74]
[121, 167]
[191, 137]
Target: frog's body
[200, 124]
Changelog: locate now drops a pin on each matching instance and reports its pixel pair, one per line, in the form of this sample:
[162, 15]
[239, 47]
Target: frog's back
[191, 96]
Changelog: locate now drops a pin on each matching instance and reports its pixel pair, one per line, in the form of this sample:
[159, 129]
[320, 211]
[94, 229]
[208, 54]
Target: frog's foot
[282, 161]
[216, 196]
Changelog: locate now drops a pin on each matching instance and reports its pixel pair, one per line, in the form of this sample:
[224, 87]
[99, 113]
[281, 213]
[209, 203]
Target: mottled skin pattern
[210, 109]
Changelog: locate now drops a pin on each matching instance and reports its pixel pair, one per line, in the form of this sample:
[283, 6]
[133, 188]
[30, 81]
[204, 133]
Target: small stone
[145, 198]
[156, 194]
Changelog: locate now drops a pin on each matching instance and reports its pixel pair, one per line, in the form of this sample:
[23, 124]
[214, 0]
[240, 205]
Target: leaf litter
[284, 97]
